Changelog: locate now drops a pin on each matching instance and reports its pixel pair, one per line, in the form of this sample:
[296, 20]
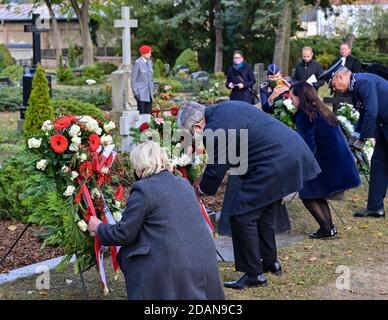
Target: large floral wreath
[76, 154]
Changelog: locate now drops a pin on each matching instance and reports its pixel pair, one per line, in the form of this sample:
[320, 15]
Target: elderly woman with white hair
[167, 251]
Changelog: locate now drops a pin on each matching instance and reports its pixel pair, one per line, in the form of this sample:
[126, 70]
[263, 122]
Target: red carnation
[64, 122]
[77, 198]
[119, 193]
[174, 110]
[94, 142]
[155, 112]
[59, 143]
[287, 95]
[102, 179]
[109, 161]
[144, 126]
[86, 169]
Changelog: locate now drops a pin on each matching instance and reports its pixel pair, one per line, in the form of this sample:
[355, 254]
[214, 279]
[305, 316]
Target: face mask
[272, 83]
[137, 178]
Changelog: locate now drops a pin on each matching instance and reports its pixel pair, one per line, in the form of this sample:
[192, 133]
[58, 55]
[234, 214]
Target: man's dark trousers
[253, 238]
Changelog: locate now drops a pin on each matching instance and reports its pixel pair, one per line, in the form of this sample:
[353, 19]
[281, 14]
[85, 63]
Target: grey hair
[344, 70]
[189, 114]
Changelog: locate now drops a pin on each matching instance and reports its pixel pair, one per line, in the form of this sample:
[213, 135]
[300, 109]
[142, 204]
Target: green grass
[307, 264]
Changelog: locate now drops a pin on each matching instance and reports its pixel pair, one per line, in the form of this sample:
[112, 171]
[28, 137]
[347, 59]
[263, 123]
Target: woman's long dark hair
[311, 104]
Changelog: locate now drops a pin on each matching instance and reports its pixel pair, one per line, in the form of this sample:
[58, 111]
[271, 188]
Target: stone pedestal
[259, 74]
[128, 120]
[120, 87]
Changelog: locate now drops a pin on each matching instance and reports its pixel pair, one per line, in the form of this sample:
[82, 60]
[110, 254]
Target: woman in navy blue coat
[240, 79]
[319, 128]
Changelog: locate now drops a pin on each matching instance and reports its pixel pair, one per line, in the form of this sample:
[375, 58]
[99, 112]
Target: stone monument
[36, 28]
[124, 106]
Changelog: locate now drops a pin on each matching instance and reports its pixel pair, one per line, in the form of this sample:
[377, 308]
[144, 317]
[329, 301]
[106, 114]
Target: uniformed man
[369, 93]
[142, 80]
[273, 88]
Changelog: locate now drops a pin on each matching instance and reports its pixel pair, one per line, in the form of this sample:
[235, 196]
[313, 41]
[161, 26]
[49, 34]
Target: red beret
[145, 49]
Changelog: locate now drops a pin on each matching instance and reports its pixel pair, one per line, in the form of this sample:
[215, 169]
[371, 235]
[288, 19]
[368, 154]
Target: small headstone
[181, 68]
[200, 79]
[259, 73]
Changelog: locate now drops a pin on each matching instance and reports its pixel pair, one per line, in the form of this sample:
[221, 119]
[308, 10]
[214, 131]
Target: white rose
[69, 191]
[90, 123]
[34, 143]
[185, 160]
[47, 125]
[117, 216]
[95, 193]
[42, 164]
[106, 139]
[104, 170]
[109, 126]
[83, 157]
[76, 141]
[74, 147]
[118, 204]
[74, 174]
[288, 104]
[74, 130]
[98, 131]
[82, 225]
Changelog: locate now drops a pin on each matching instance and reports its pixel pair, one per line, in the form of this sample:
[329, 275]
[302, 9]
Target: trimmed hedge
[39, 104]
[77, 108]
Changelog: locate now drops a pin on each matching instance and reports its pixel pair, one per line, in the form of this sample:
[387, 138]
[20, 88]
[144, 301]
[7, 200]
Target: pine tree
[39, 108]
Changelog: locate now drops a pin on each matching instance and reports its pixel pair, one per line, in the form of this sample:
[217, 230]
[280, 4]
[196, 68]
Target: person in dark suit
[308, 67]
[167, 251]
[266, 151]
[240, 79]
[379, 69]
[369, 93]
[352, 63]
[319, 127]
[274, 88]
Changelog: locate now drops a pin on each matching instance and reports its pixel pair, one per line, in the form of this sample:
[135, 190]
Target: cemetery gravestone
[124, 105]
[37, 27]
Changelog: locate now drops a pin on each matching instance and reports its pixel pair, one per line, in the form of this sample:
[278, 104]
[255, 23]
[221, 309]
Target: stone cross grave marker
[124, 105]
[36, 28]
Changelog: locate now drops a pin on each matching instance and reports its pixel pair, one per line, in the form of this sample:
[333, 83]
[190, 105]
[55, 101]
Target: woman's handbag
[253, 91]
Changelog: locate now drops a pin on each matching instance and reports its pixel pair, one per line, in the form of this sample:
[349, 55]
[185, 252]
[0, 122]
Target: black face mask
[272, 83]
[137, 178]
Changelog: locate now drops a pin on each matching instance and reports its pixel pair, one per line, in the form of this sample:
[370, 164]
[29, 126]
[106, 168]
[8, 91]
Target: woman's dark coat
[167, 251]
[332, 152]
[278, 160]
[247, 79]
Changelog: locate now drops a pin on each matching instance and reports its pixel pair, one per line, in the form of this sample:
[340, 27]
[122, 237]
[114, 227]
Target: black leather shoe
[248, 282]
[275, 268]
[323, 234]
[370, 213]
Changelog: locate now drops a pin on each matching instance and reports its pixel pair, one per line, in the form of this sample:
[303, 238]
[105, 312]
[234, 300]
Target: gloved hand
[353, 138]
[358, 145]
